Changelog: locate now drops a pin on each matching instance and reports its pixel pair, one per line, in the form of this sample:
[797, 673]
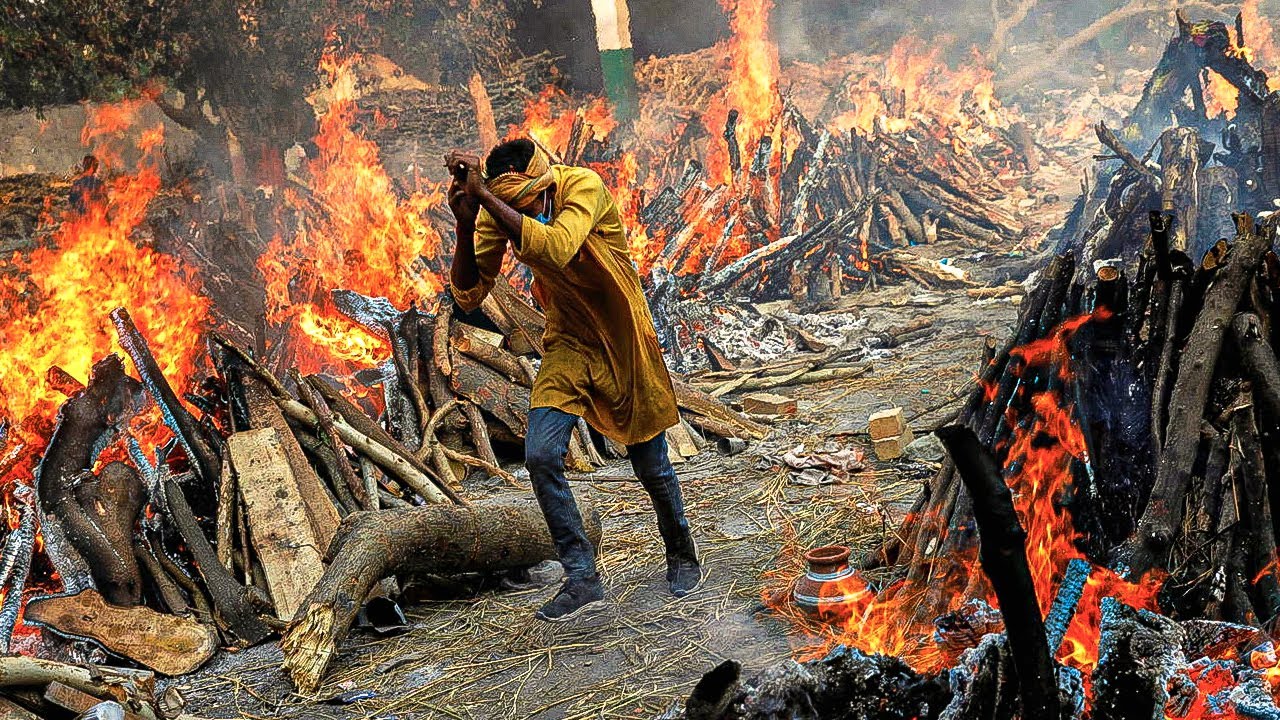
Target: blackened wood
[176, 417]
[1190, 394]
[112, 500]
[229, 596]
[1259, 360]
[1250, 475]
[1167, 364]
[1004, 561]
[83, 423]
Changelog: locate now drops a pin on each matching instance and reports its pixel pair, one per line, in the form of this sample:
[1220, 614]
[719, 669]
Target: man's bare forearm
[509, 220]
[464, 272]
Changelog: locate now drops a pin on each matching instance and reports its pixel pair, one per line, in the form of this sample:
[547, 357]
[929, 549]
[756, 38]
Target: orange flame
[355, 233]
[1046, 443]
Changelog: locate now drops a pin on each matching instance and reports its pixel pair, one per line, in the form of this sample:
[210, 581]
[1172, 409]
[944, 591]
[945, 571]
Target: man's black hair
[512, 155]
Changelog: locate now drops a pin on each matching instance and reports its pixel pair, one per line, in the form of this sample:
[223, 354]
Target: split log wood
[1003, 554]
[176, 416]
[324, 413]
[493, 393]
[277, 518]
[168, 644]
[133, 689]
[1180, 191]
[229, 597]
[424, 540]
[699, 403]
[265, 413]
[468, 340]
[225, 522]
[385, 458]
[527, 322]
[1163, 514]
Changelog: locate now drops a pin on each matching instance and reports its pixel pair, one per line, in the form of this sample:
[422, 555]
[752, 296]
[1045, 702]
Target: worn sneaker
[574, 599]
[684, 573]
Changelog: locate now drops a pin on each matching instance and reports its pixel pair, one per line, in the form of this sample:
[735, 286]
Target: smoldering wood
[112, 500]
[184, 426]
[1004, 561]
[82, 425]
[494, 536]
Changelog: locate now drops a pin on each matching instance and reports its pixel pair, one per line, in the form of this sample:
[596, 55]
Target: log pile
[826, 218]
[1129, 412]
[1176, 488]
[279, 503]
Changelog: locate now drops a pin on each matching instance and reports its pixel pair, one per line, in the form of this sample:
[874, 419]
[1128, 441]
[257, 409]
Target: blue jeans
[544, 450]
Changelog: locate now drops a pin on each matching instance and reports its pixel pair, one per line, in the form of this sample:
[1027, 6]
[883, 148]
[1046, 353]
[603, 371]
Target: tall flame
[355, 232]
[1047, 442]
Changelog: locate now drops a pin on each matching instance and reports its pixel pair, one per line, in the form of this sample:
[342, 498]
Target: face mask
[544, 217]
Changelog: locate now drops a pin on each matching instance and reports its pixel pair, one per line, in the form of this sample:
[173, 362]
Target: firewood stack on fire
[288, 422]
[1110, 480]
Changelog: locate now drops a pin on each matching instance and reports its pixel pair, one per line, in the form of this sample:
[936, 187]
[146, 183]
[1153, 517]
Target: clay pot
[821, 590]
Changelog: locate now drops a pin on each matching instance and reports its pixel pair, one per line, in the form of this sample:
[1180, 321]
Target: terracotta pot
[821, 590]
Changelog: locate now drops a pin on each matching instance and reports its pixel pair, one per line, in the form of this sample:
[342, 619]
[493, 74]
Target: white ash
[755, 333]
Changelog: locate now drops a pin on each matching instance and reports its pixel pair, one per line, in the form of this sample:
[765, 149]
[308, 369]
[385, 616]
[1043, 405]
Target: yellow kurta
[602, 357]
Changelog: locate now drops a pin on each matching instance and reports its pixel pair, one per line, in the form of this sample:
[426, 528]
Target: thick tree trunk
[436, 540]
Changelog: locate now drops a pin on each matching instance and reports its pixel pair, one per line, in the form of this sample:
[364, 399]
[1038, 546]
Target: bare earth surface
[476, 651]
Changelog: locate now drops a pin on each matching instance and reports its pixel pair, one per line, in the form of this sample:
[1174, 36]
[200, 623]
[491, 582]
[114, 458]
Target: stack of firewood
[827, 218]
[221, 539]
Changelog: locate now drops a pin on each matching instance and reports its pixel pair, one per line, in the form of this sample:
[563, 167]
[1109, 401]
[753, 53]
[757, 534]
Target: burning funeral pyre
[1110, 480]
[203, 393]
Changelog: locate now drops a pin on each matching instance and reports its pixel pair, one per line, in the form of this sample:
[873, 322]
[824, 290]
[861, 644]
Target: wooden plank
[168, 644]
[277, 517]
[768, 404]
[678, 439]
[265, 413]
[77, 701]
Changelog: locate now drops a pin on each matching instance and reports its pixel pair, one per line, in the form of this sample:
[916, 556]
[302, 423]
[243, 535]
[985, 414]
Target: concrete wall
[49, 142]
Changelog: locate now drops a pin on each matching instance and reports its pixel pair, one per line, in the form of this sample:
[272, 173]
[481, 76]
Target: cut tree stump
[434, 540]
[277, 516]
[168, 644]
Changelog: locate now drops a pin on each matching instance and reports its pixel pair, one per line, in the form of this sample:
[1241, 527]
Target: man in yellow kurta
[602, 359]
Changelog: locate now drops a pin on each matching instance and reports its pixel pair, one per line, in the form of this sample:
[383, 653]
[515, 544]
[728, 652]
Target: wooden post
[617, 61]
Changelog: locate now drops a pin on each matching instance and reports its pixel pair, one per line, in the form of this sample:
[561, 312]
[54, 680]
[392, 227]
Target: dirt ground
[478, 652]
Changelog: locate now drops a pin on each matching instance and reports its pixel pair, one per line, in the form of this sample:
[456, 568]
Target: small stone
[926, 448]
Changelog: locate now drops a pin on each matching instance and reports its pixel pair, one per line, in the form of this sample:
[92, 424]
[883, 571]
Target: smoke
[815, 30]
